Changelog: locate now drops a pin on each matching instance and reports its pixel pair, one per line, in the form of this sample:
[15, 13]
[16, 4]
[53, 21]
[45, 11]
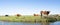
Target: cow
[36, 14]
[44, 13]
[18, 15]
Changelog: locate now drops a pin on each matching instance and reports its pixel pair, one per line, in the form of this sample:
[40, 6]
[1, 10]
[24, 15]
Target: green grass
[21, 18]
[26, 19]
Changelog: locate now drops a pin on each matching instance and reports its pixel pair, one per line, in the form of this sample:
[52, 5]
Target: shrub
[6, 15]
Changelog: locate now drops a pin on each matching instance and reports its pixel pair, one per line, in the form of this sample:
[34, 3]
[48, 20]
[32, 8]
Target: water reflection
[55, 23]
[20, 23]
[28, 23]
[45, 23]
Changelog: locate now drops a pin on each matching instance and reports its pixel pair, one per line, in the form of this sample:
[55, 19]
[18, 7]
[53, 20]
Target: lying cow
[36, 14]
[18, 15]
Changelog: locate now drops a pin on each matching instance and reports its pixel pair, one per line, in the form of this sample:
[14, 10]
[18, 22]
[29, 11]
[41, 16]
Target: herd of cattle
[41, 13]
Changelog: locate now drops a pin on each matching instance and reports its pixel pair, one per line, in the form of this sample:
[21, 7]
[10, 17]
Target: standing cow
[44, 13]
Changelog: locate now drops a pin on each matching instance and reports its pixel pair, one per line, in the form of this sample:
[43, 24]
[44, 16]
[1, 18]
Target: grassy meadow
[27, 19]
[20, 19]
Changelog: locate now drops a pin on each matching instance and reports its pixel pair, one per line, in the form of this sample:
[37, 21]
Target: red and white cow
[44, 13]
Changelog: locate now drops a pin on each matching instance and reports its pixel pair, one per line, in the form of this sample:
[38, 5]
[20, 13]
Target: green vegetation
[28, 19]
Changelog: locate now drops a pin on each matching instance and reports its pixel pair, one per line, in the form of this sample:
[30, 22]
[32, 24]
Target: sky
[28, 7]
